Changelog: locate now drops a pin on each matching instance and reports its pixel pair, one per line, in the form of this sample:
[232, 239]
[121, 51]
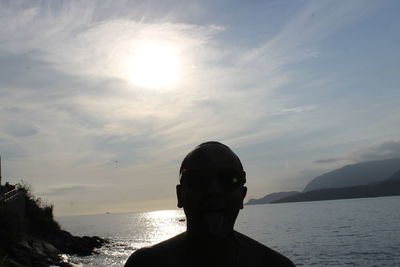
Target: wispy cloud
[66, 100]
[294, 110]
[85, 48]
[331, 160]
[62, 190]
[300, 37]
[382, 150]
[20, 130]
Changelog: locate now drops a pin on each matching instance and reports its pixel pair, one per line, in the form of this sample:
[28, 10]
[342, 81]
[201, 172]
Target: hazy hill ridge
[271, 198]
[388, 187]
[362, 179]
[362, 173]
[395, 176]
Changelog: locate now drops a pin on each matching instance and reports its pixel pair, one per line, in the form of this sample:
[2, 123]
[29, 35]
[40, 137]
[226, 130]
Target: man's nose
[214, 188]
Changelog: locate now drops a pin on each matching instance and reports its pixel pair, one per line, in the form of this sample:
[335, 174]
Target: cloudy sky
[101, 100]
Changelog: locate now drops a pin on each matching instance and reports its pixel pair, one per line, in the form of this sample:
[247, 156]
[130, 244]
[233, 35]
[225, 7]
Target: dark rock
[46, 250]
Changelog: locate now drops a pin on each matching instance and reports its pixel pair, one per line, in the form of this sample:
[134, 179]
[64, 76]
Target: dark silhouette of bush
[25, 229]
[39, 219]
[10, 227]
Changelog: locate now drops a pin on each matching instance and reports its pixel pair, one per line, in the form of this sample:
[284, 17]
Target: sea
[348, 232]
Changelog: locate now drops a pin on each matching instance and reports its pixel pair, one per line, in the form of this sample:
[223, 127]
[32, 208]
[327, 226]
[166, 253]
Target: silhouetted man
[211, 193]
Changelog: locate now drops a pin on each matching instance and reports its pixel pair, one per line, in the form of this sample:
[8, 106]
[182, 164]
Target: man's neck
[210, 251]
[208, 242]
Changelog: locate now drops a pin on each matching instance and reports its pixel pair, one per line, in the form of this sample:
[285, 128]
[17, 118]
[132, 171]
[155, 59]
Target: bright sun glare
[154, 65]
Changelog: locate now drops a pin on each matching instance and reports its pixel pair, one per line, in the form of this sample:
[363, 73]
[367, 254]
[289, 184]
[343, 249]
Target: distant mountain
[362, 173]
[388, 187]
[271, 198]
[395, 176]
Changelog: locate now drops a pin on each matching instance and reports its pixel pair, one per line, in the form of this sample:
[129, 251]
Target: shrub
[10, 227]
[39, 217]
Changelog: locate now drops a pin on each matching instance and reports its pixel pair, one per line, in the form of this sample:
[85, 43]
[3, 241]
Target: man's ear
[244, 192]
[179, 195]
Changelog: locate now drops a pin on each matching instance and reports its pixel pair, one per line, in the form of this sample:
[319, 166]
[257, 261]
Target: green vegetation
[39, 219]
[4, 260]
[35, 220]
[10, 233]
[11, 227]
[29, 235]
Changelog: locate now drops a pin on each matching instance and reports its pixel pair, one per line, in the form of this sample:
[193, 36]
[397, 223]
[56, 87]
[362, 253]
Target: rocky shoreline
[48, 250]
[29, 235]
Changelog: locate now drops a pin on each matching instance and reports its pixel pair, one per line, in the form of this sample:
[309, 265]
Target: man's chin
[214, 224]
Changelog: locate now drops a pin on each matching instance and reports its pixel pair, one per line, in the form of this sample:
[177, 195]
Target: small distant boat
[182, 219]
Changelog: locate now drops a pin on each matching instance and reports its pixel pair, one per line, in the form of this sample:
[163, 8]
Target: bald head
[211, 189]
[211, 155]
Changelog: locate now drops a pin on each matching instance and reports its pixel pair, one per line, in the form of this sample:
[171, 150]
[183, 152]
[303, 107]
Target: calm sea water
[352, 232]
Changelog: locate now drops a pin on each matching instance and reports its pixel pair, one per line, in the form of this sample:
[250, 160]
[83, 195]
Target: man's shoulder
[139, 258]
[261, 252]
[154, 255]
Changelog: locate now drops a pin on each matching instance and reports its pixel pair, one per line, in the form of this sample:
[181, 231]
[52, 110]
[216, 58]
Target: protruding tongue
[214, 221]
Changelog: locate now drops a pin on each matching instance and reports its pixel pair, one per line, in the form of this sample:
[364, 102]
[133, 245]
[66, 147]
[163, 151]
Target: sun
[154, 65]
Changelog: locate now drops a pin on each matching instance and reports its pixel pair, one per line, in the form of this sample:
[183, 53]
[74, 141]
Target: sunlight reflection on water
[127, 233]
[160, 225]
[351, 232]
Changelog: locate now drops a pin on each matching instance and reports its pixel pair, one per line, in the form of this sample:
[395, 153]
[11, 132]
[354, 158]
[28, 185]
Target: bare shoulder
[255, 251]
[139, 258]
[164, 253]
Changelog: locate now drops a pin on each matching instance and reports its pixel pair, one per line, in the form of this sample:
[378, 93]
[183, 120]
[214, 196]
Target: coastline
[29, 235]
[50, 250]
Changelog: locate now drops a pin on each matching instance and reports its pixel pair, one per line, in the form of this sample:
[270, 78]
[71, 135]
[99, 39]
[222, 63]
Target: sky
[101, 100]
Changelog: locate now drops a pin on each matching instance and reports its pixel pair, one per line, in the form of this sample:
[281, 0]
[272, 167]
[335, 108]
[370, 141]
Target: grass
[37, 221]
